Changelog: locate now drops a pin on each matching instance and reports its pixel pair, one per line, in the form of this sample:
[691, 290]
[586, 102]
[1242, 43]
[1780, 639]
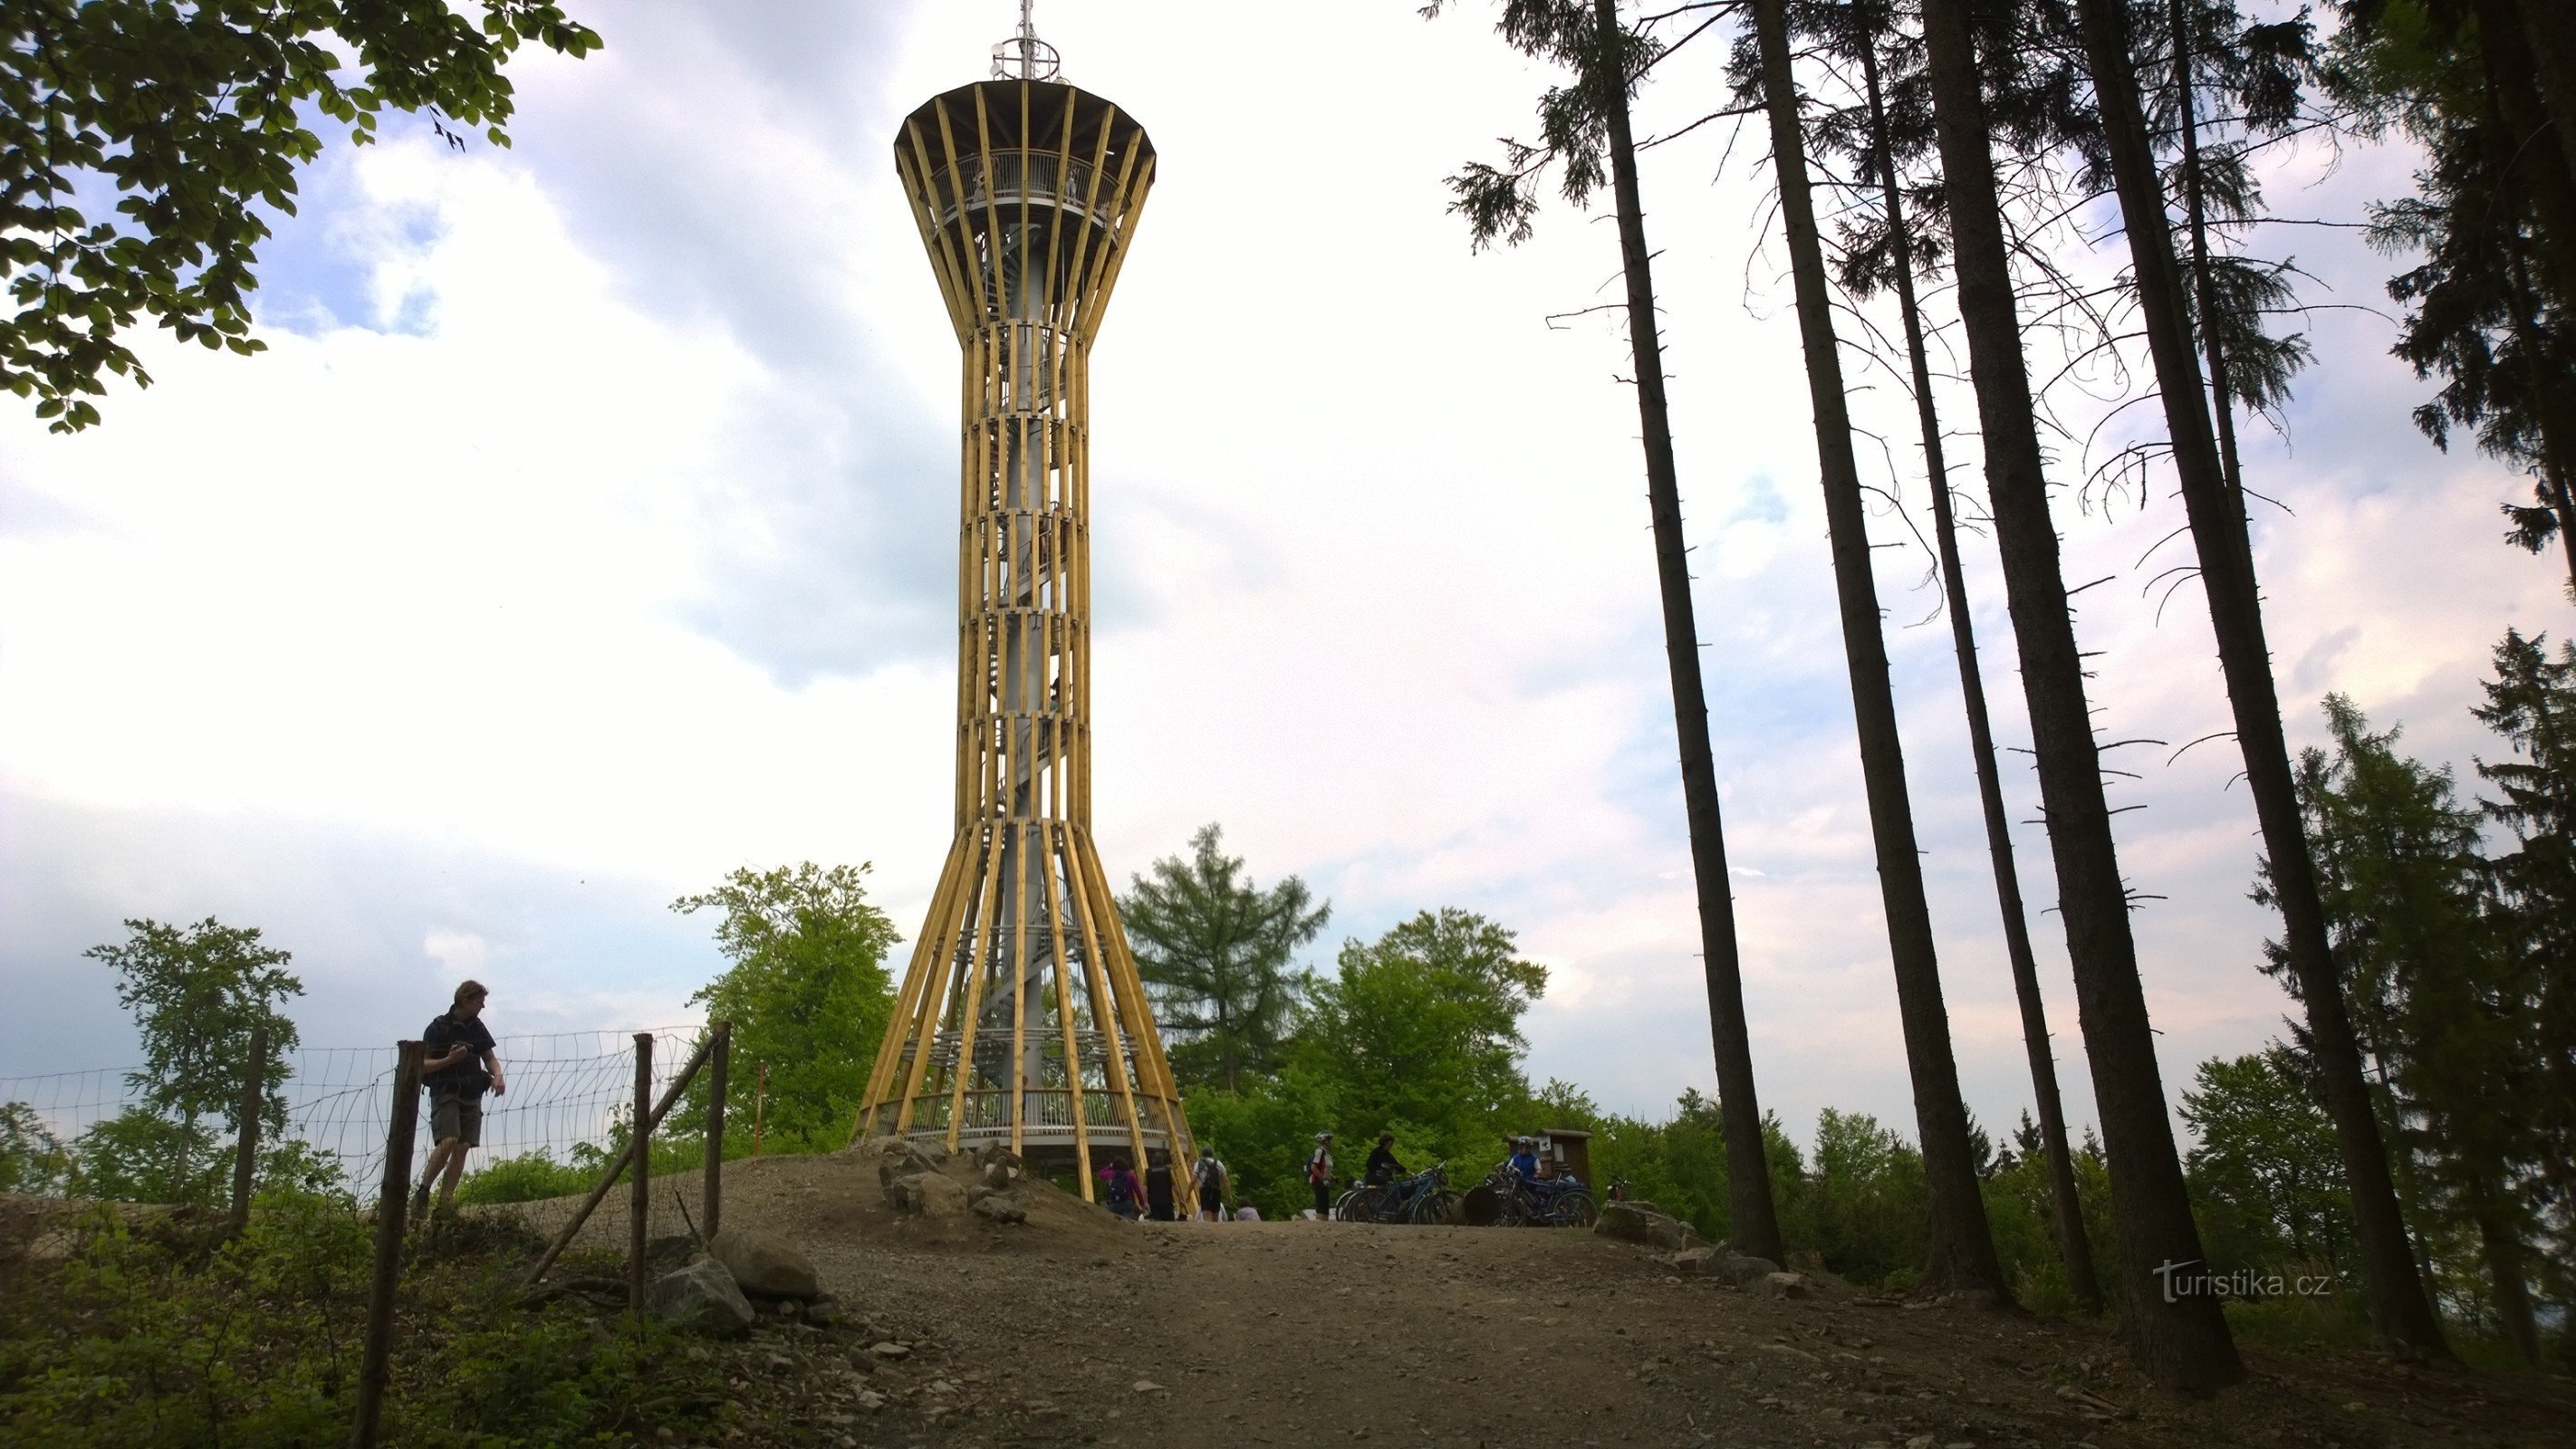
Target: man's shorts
[456, 1115]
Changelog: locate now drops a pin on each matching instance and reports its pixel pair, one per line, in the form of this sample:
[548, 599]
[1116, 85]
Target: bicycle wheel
[1353, 1206]
[1574, 1210]
[1436, 1208]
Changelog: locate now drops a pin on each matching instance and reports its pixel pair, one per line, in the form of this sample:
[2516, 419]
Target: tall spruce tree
[1585, 131]
[1961, 1243]
[1214, 951]
[1881, 252]
[2400, 1309]
[2531, 702]
[2180, 1340]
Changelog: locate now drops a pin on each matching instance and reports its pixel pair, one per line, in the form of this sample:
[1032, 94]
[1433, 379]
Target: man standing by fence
[458, 1066]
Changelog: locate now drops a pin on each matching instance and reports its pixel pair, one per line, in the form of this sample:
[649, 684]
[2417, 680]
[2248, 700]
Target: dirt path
[1078, 1329]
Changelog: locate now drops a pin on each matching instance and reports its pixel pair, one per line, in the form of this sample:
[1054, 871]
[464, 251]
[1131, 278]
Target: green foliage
[808, 993]
[148, 1338]
[1213, 950]
[193, 113]
[2024, 1218]
[2487, 300]
[1264, 1132]
[528, 1177]
[1420, 1034]
[2265, 1177]
[1864, 1203]
[139, 1155]
[32, 1159]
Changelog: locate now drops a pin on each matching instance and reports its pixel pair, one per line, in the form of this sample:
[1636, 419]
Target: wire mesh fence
[567, 1098]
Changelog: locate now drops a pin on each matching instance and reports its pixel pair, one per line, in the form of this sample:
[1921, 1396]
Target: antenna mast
[1024, 56]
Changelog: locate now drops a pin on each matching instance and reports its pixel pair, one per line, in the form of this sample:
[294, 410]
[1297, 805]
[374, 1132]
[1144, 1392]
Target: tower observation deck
[1021, 1019]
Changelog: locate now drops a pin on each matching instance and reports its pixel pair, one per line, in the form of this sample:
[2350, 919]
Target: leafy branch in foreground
[193, 113]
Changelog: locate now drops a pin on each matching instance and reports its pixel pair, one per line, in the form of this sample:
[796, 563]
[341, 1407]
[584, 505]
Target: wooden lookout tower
[1021, 1020]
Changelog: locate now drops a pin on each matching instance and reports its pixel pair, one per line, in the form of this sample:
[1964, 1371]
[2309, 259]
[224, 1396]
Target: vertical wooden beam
[246, 1144]
[987, 926]
[639, 1205]
[711, 1178]
[393, 1199]
[1057, 849]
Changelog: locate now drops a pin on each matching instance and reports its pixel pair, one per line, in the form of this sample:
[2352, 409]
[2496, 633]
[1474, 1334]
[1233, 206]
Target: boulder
[1692, 1262]
[765, 1264]
[936, 1196]
[1785, 1285]
[701, 1297]
[1744, 1270]
[1630, 1223]
[998, 1207]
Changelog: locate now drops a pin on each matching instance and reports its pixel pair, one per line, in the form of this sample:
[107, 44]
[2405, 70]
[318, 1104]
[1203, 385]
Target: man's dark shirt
[1382, 1166]
[465, 1076]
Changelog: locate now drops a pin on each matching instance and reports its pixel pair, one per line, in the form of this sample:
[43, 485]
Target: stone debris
[1630, 1223]
[764, 1264]
[702, 1298]
[1786, 1285]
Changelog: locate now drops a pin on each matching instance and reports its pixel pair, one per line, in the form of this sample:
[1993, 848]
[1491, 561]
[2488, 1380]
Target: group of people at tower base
[1150, 1197]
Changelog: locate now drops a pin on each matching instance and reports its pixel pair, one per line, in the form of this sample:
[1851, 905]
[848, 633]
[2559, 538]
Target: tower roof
[1030, 115]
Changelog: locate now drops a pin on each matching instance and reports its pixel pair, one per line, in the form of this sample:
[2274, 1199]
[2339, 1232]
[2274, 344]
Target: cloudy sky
[585, 533]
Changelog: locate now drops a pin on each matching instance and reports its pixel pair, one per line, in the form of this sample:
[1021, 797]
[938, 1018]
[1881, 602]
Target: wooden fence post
[713, 1177]
[616, 1169]
[246, 1150]
[640, 1207]
[391, 1206]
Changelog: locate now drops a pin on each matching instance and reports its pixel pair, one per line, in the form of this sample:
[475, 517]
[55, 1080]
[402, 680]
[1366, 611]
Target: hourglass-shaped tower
[1021, 1019]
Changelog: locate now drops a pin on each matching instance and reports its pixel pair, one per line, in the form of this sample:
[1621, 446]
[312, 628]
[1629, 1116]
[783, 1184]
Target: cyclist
[1524, 1163]
[1382, 1166]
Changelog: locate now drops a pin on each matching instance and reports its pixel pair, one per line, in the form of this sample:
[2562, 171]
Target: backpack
[1211, 1180]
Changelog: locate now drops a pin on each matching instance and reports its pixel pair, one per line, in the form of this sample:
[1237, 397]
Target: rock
[937, 1197]
[701, 1297]
[765, 1264]
[825, 1310]
[904, 1159]
[890, 1350]
[1744, 1270]
[1146, 1386]
[998, 1207]
[993, 1155]
[1691, 1262]
[1630, 1223]
[1786, 1285]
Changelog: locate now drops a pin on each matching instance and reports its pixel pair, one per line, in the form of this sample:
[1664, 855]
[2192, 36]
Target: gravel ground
[1076, 1328]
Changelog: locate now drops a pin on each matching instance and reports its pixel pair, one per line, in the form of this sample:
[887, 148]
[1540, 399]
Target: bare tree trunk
[1755, 1223]
[2074, 1249]
[1962, 1247]
[2181, 1340]
[2399, 1309]
[2503, 1249]
[2204, 282]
